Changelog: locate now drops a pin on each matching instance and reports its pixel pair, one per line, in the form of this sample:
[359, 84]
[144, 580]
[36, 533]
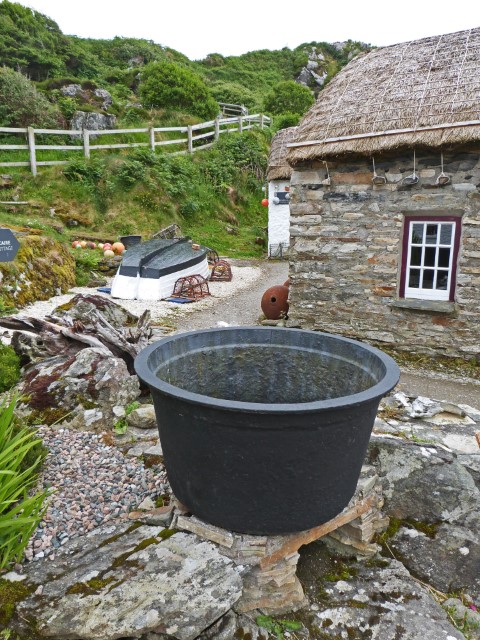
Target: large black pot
[264, 430]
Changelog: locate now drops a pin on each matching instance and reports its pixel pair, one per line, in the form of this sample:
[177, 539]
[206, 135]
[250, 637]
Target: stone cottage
[385, 220]
[278, 176]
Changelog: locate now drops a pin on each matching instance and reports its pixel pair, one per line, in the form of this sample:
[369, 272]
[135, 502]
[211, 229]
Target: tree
[171, 86]
[288, 97]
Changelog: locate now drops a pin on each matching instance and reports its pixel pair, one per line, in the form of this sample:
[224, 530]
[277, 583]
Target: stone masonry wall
[345, 251]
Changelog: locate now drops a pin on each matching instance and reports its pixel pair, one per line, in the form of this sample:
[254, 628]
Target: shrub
[286, 120]
[9, 367]
[288, 97]
[21, 105]
[233, 93]
[172, 86]
[86, 261]
[20, 512]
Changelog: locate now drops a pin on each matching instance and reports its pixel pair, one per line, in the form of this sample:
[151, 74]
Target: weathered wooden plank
[14, 146]
[63, 132]
[124, 145]
[58, 147]
[305, 537]
[209, 134]
[13, 130]
[14, 164]
[179, 129]
[162, 143]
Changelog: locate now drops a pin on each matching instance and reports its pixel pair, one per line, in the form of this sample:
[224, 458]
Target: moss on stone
[41, 268]
[91, 587]
[343, 572]
[11, 593]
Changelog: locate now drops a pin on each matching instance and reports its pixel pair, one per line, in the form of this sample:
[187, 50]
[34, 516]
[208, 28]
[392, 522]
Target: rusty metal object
[221, 272]
[191, 288]
[274, 302]
[212, 256]
[286, 283]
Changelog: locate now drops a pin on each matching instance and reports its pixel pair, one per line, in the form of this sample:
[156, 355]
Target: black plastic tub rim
[389, 378]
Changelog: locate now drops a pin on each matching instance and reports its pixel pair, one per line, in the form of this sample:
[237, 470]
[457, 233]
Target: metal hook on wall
[412, 178]
[376, 178]
[327, 182]
[442, 179]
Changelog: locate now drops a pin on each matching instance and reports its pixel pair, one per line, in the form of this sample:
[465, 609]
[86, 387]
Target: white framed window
[429, 261]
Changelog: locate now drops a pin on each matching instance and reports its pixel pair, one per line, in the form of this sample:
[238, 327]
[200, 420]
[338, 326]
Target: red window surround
[406, 269]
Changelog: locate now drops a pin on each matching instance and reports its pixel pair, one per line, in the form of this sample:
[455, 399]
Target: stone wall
[346, 243]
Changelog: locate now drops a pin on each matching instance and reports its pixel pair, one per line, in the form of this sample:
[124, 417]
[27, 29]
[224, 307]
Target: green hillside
[47, 77]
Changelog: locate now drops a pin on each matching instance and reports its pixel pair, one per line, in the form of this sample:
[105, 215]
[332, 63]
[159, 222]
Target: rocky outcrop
[80, 390]
[42, 268]
[375, 600]
[428, 463]
[128, 582]
[92, 121]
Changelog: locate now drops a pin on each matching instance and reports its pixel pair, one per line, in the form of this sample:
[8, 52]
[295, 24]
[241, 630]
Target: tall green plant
[20, 512]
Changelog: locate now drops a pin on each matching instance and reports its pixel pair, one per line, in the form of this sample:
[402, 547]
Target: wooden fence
[233, 109]
[192, 137]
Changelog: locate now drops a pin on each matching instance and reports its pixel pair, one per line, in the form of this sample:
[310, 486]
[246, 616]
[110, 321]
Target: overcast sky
[198, 27]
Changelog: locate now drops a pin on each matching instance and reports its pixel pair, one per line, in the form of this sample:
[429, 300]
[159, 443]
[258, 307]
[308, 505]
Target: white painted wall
[278, 215]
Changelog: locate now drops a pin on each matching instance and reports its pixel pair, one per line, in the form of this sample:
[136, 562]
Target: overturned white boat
[149, 270]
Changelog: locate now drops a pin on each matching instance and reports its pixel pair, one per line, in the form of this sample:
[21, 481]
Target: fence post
[31, 148]
[217, 128]
[261, 121]
[152, 138]
[86, 143]
[240, 124]
[190, 139]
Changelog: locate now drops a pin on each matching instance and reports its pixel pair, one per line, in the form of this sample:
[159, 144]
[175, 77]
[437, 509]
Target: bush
[233, 93]
[9, 368]
[172, 86]
[21, 105]
[286, 120]
[19, 512]
[288, 97]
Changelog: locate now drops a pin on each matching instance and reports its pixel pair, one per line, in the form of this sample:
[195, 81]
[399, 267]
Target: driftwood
[68, 333]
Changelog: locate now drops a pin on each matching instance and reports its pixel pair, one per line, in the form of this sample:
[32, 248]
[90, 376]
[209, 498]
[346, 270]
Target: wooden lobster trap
[221, 272]
[191, 287]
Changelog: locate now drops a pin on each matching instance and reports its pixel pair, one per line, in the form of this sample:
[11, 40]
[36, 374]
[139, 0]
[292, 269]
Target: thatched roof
[424, 93]
[278, 167]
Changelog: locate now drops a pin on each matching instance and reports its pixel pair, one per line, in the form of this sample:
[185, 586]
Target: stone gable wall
[345, 251]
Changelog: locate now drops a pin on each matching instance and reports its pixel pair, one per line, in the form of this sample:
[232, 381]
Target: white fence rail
[192, 137]
[233, 109]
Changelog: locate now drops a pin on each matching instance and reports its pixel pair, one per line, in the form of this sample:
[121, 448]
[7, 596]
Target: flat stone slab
[127, 581]
[375, 599]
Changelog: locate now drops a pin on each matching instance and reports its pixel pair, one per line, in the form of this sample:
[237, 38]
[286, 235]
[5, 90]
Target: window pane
[442, 280]
[428, 276]
[444, 257]
[446, 234]
[417, 233]
[431, 237]
[430, 255]
[416, 256]
[414, 279]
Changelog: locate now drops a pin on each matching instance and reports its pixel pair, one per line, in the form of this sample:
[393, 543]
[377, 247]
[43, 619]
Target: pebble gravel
[91, 483]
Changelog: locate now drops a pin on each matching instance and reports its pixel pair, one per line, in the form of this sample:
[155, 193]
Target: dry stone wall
[345, 251]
